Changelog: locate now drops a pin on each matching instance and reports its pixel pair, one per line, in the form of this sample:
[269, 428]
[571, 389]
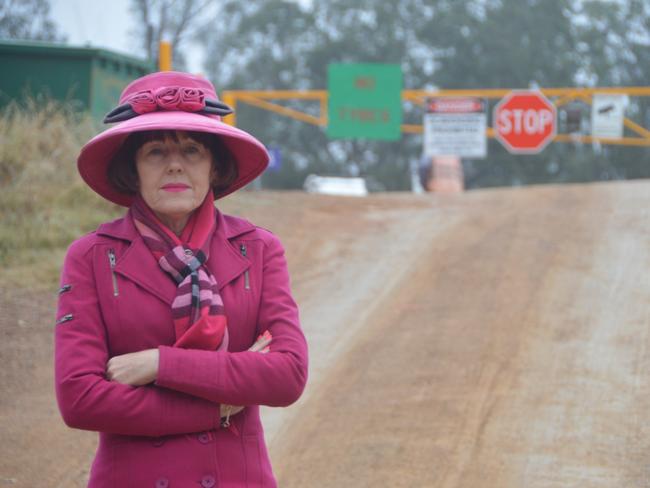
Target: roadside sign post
[525, 122]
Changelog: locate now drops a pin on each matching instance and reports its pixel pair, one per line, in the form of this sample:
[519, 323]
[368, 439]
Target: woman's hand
[135, 369]
[227, 410]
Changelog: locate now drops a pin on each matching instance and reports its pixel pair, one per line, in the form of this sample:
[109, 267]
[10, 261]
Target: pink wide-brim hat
[168, 100]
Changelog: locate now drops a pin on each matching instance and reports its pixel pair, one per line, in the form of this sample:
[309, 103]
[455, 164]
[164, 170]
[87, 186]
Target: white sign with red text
[455, 127]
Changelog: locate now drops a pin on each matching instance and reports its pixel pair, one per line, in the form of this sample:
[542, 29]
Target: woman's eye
[155, 151]
[192, 149]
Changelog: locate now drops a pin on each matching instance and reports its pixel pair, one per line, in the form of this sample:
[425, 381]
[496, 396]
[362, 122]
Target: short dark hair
[123, 176]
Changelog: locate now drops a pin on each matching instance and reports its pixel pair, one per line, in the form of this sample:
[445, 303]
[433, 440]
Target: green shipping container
[92, 78]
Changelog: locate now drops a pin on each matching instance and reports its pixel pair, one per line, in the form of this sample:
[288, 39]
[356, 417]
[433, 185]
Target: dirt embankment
[498, 338]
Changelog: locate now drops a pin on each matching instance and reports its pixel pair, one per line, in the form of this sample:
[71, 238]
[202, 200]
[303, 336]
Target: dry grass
[44, 205]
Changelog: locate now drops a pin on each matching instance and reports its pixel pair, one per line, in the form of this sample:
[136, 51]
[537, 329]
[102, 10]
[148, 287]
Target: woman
[175, 322]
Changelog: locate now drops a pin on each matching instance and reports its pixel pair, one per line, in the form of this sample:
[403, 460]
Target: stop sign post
[525, 122]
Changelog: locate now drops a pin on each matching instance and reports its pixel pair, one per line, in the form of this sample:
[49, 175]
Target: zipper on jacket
[111, 262]
[247, 284]
[66, 318]
[64, 289]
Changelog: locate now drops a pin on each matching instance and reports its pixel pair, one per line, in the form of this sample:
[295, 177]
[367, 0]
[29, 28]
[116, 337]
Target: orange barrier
[446, 175]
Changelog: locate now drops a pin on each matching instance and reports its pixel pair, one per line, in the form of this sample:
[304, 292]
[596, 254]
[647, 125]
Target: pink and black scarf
[199, 318]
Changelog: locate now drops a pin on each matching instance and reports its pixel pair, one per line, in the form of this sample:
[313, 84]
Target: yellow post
[230, 99]
[165, 56]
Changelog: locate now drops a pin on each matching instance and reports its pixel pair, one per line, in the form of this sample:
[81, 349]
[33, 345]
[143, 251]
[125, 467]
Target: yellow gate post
[230, 99]
[165, 56]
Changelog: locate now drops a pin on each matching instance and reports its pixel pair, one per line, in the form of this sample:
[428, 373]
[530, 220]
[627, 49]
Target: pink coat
[115, 299]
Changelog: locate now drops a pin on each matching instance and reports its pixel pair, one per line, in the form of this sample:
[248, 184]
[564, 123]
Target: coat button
[203, 437]
[157, 441]
[162, 483]
[207, 481]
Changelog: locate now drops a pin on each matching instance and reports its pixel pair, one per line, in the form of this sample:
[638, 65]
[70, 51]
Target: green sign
[364, 101]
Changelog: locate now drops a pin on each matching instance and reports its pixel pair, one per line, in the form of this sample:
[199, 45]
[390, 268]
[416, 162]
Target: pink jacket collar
[137, 262]
[228, 227]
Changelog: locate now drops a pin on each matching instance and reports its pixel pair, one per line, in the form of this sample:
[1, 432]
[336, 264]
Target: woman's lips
[175, 187]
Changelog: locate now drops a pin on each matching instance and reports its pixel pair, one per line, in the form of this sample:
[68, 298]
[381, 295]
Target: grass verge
[44, 205]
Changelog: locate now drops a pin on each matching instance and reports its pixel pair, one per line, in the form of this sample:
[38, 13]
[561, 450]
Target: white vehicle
[335, 185]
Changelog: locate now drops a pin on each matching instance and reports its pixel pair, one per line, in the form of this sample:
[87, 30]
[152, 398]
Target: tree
[615, 48]
[27, 20]
[170, 20]
[275, 44]
[281, 44]
[510, 44]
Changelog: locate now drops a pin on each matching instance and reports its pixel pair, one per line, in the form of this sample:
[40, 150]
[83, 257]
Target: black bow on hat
[125, 111]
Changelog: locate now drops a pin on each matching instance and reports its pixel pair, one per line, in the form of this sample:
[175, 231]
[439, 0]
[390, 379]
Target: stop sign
[524, 122]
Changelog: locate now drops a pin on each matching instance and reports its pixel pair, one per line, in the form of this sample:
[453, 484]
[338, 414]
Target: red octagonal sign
[524, 122]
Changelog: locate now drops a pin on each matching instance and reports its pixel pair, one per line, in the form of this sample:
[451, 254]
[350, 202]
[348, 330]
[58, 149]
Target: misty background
[445, 44]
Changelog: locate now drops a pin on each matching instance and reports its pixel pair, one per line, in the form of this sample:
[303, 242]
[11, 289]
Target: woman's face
[174, 176]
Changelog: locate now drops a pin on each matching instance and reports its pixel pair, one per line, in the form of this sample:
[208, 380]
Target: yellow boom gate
[267, 100]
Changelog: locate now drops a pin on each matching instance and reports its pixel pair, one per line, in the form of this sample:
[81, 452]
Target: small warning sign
[455, 127]
[607, 113]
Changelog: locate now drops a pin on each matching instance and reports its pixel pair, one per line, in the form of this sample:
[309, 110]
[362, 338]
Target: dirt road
[513, 353]
[495, 339]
